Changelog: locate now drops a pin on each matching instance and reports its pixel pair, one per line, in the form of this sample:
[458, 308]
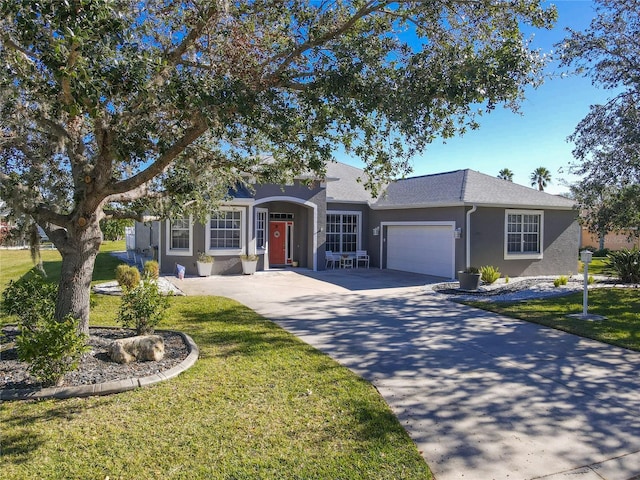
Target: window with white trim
[523, 234]
[261, 227]
[225, 231]
[180, 236]
[343, 232]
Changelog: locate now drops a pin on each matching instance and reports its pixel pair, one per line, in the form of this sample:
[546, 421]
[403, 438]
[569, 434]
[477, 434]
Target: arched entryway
[286, 231]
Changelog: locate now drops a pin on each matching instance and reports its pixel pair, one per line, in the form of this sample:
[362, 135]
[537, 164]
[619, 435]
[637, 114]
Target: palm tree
[506, 174]
[540, 177]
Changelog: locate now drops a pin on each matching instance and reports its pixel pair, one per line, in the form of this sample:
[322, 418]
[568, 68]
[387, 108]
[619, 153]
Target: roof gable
[343, 184]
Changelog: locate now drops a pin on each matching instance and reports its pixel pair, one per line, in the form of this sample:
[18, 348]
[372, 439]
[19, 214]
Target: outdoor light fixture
[586, 257]
[376, 231]
[457, 233]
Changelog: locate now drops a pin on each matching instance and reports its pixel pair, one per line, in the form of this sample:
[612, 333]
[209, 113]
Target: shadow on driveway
[483, 396]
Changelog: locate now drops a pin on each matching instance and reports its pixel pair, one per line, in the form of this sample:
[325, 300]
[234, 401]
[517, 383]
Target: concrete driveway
[483, 396]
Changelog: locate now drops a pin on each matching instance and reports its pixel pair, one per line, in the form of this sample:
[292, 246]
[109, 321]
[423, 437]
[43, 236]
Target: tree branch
[27, 55]
[129, 215]
[173, 57]
[160, 165]
[369, 8]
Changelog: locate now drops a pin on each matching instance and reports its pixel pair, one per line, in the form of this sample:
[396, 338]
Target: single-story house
[432, 224]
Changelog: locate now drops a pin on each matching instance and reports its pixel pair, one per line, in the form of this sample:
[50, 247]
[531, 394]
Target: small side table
[346, 262]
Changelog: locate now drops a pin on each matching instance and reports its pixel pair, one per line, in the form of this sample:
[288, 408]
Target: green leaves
[607, 140]
[133, 94]
[52, 349]
[626, 264]
[143, 307]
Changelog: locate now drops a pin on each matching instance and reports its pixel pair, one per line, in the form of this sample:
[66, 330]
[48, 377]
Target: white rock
[141, 348]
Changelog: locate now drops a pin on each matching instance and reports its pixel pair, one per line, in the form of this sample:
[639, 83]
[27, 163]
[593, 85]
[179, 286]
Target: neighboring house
[612, 240]
[433, 224]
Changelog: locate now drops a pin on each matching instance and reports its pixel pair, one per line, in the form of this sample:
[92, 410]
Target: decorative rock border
[106, 388]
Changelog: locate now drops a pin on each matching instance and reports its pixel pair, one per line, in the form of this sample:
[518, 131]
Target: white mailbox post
[585, 256]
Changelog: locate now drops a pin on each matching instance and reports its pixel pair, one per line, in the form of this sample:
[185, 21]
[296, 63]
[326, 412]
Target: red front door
[277, 243]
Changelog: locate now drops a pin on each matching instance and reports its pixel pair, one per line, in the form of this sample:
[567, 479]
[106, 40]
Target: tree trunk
[79, 251]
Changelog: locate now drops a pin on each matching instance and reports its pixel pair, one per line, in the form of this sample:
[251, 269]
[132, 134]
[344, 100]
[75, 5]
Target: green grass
[598, 266]
[258, 404]
[621, 306]
[15, 263]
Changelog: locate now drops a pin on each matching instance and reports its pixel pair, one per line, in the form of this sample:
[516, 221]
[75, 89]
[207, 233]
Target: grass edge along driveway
[259, 403]
[620, 306]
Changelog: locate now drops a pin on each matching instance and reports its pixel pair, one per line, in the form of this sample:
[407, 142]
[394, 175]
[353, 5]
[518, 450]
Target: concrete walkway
[483, 396]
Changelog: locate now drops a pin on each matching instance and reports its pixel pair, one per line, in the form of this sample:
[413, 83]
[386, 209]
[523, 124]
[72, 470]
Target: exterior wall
[612, 241]
[276, 199]
[227, 264]
[448, 214]
[312, 192]
[302, 229]
[365, 230]
[290, 199]
[561, 238]
[147, 237]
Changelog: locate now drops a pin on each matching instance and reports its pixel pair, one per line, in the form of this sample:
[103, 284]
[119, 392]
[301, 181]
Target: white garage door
[426, 249]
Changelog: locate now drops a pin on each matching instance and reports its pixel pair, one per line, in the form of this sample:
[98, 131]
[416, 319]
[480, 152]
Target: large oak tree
[607, 140]
[119, 103]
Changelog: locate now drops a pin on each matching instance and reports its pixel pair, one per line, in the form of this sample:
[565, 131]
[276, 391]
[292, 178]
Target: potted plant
[205, 264]
[249, 264]
[469, 278]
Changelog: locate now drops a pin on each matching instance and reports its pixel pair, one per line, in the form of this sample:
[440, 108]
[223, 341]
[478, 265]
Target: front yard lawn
[258, 404]
[621, 306]
[598, 266]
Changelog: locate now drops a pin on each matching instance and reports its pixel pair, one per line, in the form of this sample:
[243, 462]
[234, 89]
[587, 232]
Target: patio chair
[331, 259]
[361, 256]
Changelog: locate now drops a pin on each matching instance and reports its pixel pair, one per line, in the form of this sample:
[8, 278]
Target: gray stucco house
[433, 224]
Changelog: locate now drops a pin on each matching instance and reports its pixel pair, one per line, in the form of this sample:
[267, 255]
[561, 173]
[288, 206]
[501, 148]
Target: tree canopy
[111, 107]
[607, 140]
[506, 174]
[540, 178]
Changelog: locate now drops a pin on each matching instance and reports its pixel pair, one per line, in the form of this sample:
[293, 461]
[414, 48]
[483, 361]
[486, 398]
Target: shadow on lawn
[238, 331]
[104, 270]
[25, 439]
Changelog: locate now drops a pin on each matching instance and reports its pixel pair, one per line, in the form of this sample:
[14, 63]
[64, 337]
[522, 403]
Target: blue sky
[536, 137]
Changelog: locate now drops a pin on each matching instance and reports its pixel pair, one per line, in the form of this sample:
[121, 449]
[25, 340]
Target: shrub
[590, 280]
[471, 270]
[249, 258]
[127, 277]
[31, 298]
[143, 307]
[506, 279]
[489, 274]
[52, 348]
[626, 265]
[561, 280]
[204, 258]
[151, 269]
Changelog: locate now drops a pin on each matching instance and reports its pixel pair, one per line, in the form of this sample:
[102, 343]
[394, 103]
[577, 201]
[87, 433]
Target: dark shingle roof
[464, 187]
[343, 185]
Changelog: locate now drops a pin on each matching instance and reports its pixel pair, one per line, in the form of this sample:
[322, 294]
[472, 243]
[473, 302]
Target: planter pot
[249, 266]
[469, 281]
[294, 264]
[204, 268]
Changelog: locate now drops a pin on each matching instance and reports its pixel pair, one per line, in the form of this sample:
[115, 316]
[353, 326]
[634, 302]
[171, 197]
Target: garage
[421, 248]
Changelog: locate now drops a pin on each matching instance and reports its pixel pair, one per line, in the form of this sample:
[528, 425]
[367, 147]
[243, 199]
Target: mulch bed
[95, 366]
